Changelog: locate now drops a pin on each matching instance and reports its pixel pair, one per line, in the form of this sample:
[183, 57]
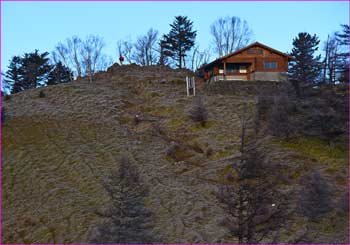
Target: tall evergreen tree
[28, 71]
[35, 69]
[305, 69]
[127, 220]
[344, 41]
[13, 74]
[59, 74]
[180, 40]
[344, 37]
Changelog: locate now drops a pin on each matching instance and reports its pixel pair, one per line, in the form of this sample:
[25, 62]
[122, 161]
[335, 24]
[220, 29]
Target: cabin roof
[218, 60]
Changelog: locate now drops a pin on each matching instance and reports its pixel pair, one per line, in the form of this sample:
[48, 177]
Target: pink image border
[348, 184]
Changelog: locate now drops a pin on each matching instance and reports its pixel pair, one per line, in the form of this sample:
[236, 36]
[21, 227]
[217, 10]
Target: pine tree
[13, 75]
[59, 74]
[180, 39]
[164, 47]
[344, 37]
[127, 220]
[344, 40]
[35, 69]
[305, 69]
[28, 71]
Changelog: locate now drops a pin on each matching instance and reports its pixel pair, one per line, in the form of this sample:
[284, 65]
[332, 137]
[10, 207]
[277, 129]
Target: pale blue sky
[41, 25]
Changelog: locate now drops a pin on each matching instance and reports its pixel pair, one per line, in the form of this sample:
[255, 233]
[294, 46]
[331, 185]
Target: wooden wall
[258, 60]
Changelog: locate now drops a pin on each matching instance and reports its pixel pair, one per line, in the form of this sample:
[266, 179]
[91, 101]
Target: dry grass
[57, 149]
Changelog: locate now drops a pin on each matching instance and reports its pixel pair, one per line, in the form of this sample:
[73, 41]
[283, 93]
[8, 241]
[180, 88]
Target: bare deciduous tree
[198, 112]
[91, 53]
[332, 61]
[230, 34]
[83, 57]
[257, 209]
[145, 48]
[61, 54]
[280, 122]
[125, 48]
[199, 58]
[73, 48]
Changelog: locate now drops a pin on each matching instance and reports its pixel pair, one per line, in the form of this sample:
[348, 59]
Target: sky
[27, 26]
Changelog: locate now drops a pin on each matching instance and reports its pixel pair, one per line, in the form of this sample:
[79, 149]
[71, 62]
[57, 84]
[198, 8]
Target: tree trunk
[180, 59]
[240, 217]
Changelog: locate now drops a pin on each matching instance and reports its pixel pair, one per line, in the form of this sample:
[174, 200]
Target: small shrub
[154, 94]
[324, 123]
[158, 131]
[197, 147]
[7, 97]
[315, 196]
[263, 104]
[279, 118]
[209, 152]
[178, 152]
[198, 112]
[42, 94]
[137, 119]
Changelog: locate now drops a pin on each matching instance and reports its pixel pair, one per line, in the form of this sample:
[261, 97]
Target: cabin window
[230, 67]
[270, 65]
[254, 51]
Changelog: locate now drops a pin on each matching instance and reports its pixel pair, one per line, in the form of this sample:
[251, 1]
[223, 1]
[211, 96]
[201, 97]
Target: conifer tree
[13, 74]
[344, 37]
[59, 74]
[29, 71]
[127, 220]
[35, 69]
[180, 40]
[306, 68]
[344, 40]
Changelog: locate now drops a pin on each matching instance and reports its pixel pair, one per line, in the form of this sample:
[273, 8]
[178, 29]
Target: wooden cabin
[252, 63]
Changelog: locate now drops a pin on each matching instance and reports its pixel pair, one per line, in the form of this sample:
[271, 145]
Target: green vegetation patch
[176, 123]
[221, 154]
[317, 149]
[206, 125]
[178, 81]
[225, 172]
[163, 111]
[126, 120]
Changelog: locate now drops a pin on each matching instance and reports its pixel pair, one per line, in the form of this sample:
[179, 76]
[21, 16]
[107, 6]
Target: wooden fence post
[190, 86]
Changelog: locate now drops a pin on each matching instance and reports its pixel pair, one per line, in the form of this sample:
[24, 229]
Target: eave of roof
[245, 48]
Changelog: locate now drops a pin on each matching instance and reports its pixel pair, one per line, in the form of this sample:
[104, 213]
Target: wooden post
[224, 71]
[194, 86]
[190, 86]
[187, 86]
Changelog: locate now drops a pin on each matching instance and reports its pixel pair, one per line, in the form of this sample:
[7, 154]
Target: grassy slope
[56, 150]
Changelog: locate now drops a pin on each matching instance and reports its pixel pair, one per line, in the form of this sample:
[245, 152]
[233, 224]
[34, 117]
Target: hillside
[57, 149]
